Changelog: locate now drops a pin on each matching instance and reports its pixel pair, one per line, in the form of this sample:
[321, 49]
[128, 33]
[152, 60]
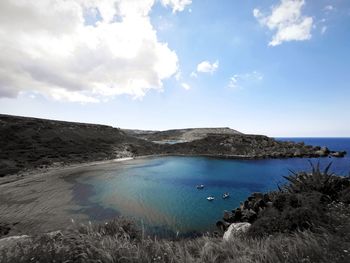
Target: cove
[160, 192]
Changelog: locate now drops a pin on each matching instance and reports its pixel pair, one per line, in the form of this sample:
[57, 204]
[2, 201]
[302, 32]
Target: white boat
[226, 195]
[200, 186]
[210, 198]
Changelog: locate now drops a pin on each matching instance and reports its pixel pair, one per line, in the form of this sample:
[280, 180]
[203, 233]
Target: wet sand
[43, 201]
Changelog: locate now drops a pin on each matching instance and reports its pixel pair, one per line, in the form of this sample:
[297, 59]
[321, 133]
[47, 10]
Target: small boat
[200, 186]
[210, 198]
[225, 195]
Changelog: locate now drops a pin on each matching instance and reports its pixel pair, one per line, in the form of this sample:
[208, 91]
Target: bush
[318, 181]
[303, 203]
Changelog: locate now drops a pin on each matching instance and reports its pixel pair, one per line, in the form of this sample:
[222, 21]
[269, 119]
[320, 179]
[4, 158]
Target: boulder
[235, 229]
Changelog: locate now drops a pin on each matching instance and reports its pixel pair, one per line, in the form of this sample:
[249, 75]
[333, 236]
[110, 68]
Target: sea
[160, 193]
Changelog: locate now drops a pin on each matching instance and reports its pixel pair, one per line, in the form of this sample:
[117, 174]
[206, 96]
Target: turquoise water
[161, 193]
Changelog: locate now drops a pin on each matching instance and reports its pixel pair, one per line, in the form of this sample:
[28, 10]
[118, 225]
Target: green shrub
[317, 181]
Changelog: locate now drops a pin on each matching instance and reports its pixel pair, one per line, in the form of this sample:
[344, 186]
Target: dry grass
[120, 241]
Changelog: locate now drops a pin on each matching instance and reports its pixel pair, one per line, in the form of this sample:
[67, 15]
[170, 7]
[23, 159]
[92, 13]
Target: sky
[274, 67]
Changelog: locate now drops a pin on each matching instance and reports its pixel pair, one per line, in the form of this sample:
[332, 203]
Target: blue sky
[281, 70]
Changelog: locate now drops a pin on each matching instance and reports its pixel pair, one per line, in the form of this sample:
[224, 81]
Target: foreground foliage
[309, 201]
[120, 242]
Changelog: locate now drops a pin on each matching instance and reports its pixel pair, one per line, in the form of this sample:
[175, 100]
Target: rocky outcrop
[249, 209]
[235, 230]
[247, 147]
[245, 214]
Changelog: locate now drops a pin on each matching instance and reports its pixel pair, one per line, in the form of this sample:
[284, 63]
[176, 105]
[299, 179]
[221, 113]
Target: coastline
[42, 201]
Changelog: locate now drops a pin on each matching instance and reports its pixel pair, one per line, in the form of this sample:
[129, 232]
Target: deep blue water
[161, 193]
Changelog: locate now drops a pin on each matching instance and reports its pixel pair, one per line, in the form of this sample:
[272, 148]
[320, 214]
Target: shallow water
[160, 192]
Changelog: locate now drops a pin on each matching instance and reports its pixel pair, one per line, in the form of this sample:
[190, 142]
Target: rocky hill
[248, 147]
[27, 143]
[180, 135]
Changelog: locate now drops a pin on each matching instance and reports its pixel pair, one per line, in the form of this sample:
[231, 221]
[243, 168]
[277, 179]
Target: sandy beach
[42, 201]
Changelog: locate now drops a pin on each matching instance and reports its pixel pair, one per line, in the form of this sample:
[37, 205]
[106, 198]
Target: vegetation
[118, 241]
[309, 221]
[309, 201]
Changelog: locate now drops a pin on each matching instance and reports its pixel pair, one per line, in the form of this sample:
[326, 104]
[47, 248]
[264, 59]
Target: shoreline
[42, 200]
[59, 166]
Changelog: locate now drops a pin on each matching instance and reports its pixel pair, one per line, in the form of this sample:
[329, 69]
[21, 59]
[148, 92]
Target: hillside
[30, 142]
[27, 143]
[180, 135]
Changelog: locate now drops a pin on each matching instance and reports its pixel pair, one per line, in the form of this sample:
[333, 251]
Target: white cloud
[193, 74]
[185, 86]
[323, 29]
[287, 21]
[177, 5]
[328, 8]
[238, 81]
[82, 50]
[178, 76]
[207, 67]
[233, 83]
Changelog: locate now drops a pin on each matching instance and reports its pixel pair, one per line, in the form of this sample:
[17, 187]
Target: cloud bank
[287, 21]
[83, 50]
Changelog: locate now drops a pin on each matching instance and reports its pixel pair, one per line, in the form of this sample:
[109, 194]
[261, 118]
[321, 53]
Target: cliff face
[27, 143]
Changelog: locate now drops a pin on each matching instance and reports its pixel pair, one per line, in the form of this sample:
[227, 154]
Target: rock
[228, 216]
[325, 149]
[55, 234]
[337, 154]
[321, 153]
[223, 226]
[297, 153]
[236, 229]
[269, 204]
[259, 204]
[258, 195]
[249, 215]
[10, 241]
[266, 198]
[237, 215]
